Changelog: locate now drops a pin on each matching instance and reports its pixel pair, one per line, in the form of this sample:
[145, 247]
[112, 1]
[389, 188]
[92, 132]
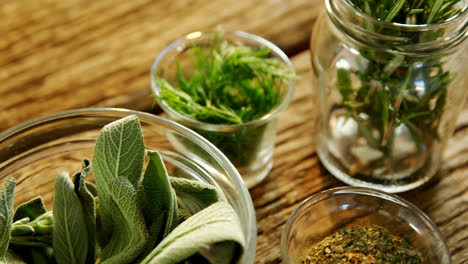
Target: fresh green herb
[70, 235]
[231, 84]
[204, 228]
[368, 244]
[392, 91]
[194, 197]
[89, 207]
[145, 223]
[6, 214]
[158, 201]
[31, 209]
[116, 155]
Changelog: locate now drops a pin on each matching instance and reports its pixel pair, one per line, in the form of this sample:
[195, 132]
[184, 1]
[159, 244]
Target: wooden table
[59, 55]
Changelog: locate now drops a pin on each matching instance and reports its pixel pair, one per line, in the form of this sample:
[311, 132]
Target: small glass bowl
[327, 212]
[35, 152]
[248, 146]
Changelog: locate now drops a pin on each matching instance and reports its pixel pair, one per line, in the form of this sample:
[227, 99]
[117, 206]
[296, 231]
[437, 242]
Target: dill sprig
[231, 84]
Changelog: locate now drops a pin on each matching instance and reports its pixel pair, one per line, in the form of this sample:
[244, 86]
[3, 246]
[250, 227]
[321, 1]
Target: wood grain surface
[59, 55]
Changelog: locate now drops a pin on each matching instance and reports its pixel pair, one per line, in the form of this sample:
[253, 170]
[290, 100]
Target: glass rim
[409, 27]
[273, 113]
[237, 181]
[354, 190]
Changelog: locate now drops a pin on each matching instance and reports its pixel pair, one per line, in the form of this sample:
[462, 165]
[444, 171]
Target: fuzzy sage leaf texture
[12, 258]
[31, 209]
[158, 202]
[143, 222]
[87, 201]
[70, 235]
[6, 214]
[216, 225]
[194, 196]
[119, 152]
[129, 234]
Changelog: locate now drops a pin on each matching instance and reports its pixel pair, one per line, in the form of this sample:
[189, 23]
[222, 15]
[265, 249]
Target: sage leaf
[6, 214]
[88, 204]
[12, 258]
[199, 234]
[158, 200]
[38, 256]
[119, 152]
[194, 196]
[130, 235]
[70, 235]
[31, 209]
[91, 188]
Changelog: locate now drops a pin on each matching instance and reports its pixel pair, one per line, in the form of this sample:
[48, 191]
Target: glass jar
[388, 95]
[249, 146]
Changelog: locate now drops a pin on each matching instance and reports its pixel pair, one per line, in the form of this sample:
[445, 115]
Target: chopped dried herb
[368, 244]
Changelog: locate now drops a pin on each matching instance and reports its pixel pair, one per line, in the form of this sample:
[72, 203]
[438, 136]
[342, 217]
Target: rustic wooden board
[58, 55]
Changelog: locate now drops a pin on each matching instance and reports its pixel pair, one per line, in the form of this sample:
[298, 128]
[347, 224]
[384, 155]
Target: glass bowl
[36, 151]
[327, 212]
[248, 146]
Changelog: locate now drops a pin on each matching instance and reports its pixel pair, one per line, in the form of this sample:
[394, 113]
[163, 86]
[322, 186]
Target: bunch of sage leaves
[124, 218]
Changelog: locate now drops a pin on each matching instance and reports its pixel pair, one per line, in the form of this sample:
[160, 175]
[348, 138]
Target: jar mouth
[179, 45]
[413, 38]
[463, 15]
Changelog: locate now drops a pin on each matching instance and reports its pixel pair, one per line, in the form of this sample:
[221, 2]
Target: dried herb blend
[369, 245]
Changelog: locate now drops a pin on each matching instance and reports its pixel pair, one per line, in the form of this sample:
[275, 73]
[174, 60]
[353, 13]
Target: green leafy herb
[159, 201]
[197, 235]
[88, 204]
[119, 152]
[194, 196]
[70, 235]
[231, 84]
[392, 91]
[130, 235]
[37, 233]
[6, 214]
[141, 214]
[31, 209]
[12, 258]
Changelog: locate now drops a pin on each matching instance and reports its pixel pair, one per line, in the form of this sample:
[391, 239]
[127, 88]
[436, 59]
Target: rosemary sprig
[231, 84]
[397, 90]
[416, 12]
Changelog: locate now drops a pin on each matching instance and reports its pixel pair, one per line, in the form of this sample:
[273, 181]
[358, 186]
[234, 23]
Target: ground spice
[363, 245]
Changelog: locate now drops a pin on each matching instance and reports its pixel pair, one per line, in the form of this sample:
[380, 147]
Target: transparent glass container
[327, 212]
[248, 146]
[36, 151]
[388, 95]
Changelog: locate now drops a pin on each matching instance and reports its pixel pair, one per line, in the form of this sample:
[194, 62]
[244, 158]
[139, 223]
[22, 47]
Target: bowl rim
[177, 44]
[357, 190]
[238, 183]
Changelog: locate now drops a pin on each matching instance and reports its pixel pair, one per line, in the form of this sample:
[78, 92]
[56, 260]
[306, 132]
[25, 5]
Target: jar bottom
[256, 172]
[389, 183]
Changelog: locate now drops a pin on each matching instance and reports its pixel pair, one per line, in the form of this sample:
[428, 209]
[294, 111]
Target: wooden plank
[58, 55]
[298, 173]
